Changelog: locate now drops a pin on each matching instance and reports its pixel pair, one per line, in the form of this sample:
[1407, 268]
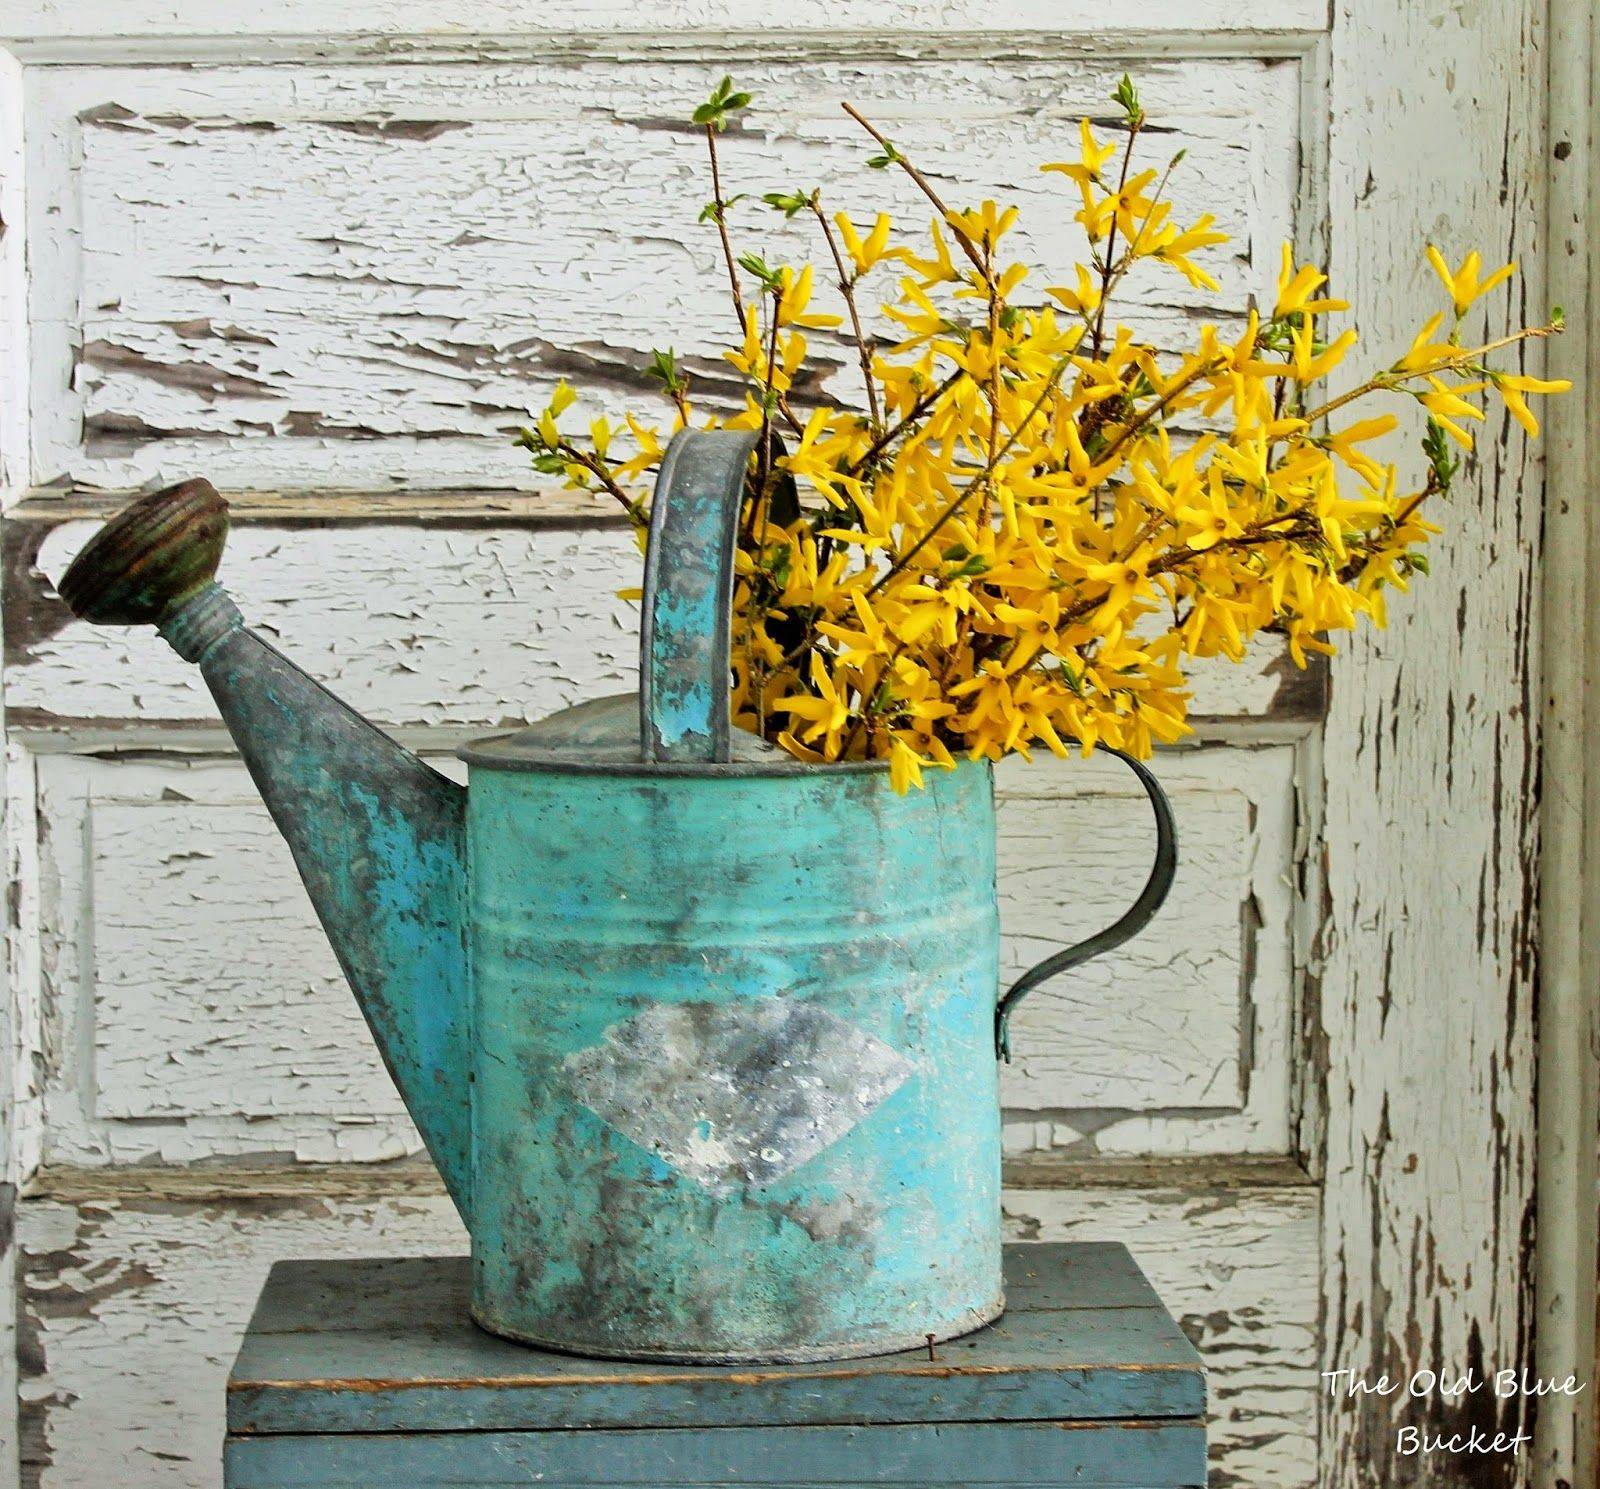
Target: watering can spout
[377, 834]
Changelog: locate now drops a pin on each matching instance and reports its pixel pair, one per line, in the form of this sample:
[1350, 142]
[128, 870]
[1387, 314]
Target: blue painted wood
[365, 1373]
[1038, 1455]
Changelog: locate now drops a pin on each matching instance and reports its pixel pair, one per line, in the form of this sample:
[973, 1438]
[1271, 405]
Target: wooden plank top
[387, 1346]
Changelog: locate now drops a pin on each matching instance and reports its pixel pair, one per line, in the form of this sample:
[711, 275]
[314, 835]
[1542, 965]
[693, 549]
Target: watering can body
[701, 1038]
[733, 1076]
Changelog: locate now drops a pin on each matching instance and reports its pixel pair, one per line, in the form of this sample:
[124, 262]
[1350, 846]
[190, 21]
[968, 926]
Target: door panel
[312, 277]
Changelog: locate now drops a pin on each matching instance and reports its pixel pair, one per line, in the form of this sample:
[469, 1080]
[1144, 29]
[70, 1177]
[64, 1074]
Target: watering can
[701, 1038]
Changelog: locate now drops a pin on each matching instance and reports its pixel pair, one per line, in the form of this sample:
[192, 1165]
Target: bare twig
[994, 371]
[1111, 241]
[763, 509]
[592, 464]
[968, 247]
[1119, 272]
[847, 289]
[720, 208]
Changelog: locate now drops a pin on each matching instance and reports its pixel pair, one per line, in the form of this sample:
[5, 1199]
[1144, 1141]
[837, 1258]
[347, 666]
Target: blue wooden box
[359, 1374]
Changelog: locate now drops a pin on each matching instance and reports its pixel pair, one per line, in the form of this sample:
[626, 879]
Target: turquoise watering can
[702, 1039]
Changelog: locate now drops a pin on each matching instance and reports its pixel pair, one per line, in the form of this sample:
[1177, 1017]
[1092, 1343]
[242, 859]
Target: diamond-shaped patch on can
[738, 1093]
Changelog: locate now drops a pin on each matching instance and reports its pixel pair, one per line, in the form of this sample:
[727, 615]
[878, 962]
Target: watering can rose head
[1029, 518]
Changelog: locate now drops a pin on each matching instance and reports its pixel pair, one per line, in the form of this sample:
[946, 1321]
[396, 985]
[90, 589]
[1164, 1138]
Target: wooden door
[328, 255]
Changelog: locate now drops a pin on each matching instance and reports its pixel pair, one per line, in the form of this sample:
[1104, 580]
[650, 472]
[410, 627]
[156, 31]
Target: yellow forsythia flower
[996, 522]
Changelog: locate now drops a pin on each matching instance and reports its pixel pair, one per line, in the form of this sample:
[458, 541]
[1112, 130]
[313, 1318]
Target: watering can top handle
[688, 594]
[684, 662]
[1136, 918]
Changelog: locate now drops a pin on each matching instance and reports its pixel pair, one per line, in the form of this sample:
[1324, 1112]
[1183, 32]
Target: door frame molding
[1438, 1168]
[1569, 898]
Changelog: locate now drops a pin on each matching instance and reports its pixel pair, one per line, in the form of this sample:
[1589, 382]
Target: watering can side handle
[684, 642]
[1137, 917]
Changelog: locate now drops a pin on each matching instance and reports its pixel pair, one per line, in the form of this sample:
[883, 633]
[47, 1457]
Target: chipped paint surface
[464, 628]
[340, 319]
[1432, 778]
[1238, 1268]
[736, 1096]
[132, 1313]
[134, 1308]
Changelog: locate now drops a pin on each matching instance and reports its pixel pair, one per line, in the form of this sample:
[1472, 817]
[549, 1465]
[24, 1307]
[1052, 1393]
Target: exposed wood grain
[1432, 777]
[314, 506]
[228, 1180]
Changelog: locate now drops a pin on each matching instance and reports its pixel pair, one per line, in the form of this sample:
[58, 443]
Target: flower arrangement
[1031, 519]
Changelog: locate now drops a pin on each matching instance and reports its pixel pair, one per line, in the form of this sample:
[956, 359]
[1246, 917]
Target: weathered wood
[418, 625]
[1432, 776]
[16, 1152]
[1565, 1450]
[475, 30]
[1422, 1035]
[164, 1045]
[1192, 1016]
[1238, 1266]
[387, 1346]
[140, 1285]
[16, 467]
[310, 506]
[336, 324]
[1032, 1455]
[132, 1314]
